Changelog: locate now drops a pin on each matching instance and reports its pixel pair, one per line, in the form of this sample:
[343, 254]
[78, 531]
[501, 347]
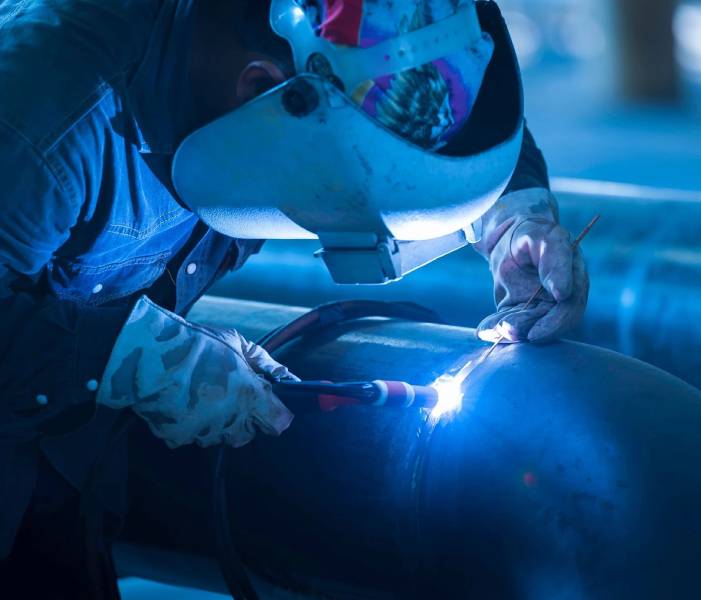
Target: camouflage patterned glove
[525, 246]
[191, 383]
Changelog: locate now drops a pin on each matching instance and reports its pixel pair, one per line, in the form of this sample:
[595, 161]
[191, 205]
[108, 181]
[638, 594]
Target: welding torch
[443, 395]
[324, 396]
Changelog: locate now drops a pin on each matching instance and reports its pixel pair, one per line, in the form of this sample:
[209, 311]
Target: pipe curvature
[570, 472]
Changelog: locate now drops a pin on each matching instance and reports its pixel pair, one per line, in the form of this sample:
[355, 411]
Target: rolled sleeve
[37, 206]
[531, 169]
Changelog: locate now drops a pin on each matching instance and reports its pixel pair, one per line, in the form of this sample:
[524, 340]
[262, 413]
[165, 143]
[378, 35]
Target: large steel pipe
[644, 259]
[570, 472]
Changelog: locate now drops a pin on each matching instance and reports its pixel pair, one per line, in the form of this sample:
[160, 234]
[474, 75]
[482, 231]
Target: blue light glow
[450, 392]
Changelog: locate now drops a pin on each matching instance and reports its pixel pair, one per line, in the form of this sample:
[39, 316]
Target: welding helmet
[402, 126]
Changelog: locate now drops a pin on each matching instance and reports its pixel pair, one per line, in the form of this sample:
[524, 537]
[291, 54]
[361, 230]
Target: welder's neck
[216, 61]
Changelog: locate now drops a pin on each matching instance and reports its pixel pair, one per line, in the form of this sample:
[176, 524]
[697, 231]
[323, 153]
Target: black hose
[334, 313]
[230, 563]
[321, 317]
[92, 515]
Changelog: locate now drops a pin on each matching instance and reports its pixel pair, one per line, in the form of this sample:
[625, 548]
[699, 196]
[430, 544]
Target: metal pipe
[644, 260]
[570, 472]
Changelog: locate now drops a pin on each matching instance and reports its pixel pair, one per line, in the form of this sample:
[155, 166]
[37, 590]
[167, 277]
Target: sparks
[450, 392]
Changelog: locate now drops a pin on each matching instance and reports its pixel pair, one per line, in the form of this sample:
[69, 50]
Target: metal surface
[644, 259]
[571, 472]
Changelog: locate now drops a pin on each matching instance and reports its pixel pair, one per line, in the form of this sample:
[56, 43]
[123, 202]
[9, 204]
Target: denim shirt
[94, 97]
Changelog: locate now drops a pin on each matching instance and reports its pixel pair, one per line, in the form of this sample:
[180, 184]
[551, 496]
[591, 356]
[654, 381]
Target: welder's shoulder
[59, 58]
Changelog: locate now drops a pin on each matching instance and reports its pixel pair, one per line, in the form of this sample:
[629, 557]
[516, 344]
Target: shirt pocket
[97, 284]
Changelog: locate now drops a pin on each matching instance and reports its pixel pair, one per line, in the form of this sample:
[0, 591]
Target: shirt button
[42, 399]
[92, 385]
[97, 289]
[191, 268]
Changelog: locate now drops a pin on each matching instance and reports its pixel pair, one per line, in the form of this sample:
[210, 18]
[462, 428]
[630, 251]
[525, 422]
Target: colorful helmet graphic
[420, 66]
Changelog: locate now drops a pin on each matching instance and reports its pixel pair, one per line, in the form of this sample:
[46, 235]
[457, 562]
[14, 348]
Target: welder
[105, 243]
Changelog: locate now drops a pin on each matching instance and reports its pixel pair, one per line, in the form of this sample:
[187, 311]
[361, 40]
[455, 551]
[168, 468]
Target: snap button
[42, 400]
[92, 385]
[97, 289]
[191, 268]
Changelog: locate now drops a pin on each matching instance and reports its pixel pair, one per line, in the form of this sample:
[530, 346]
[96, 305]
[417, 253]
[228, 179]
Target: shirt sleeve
[531, 169]
[52, 351]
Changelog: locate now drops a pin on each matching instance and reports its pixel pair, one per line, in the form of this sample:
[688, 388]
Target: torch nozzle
[313, 396]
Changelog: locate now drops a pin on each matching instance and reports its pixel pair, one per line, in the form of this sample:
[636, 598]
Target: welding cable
[333, 313]
[319, 318]
[99, 562]
[237, 580]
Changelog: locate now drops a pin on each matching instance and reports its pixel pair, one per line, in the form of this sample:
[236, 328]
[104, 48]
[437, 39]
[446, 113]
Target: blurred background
[613, 96]
[613, 87]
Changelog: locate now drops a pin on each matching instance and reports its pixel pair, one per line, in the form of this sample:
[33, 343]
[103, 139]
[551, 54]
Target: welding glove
[526, 247]
[192, 383]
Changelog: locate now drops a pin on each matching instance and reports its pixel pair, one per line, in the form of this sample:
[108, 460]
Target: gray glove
[192, 383]
[525, 246]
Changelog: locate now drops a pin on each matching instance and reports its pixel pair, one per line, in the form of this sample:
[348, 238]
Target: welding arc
[232, 568]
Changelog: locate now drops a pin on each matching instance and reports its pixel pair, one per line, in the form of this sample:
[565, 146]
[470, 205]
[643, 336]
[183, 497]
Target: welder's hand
[257, 358]
[192, 383]
[526, 247]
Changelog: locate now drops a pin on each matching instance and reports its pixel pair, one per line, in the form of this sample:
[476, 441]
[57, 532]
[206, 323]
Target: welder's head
[400, 121]
[422, 88]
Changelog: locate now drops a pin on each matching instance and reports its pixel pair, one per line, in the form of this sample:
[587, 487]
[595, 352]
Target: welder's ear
[257, 78]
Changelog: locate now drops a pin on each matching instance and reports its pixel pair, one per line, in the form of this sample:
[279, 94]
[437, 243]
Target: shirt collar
[161, 97]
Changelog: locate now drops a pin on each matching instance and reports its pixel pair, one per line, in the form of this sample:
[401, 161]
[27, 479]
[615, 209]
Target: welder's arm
[52, 351]
[191, 383]
[526, 247]
[531, 170]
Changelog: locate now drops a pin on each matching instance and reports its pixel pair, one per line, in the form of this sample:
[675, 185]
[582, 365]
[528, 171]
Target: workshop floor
[133, 588]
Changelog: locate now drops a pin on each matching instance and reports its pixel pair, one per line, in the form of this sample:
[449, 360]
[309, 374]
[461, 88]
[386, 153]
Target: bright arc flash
[297, 14]
[450, 392]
